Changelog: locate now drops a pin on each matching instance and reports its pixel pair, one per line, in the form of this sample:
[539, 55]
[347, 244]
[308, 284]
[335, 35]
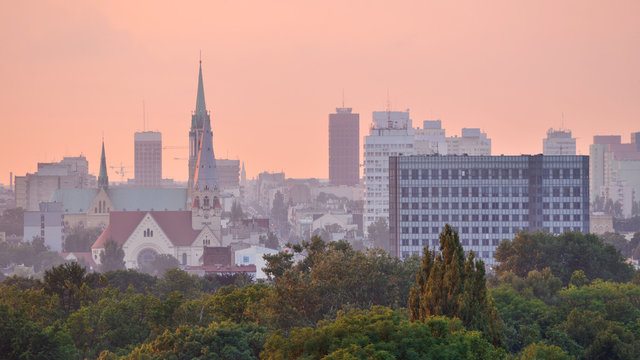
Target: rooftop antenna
[388, 110]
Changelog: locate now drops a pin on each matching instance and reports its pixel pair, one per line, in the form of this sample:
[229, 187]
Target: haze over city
[76, 71]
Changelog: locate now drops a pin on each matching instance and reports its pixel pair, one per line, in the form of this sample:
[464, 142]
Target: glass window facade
[491, 197]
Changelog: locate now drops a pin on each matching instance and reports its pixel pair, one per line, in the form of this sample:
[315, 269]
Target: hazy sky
[71, 71]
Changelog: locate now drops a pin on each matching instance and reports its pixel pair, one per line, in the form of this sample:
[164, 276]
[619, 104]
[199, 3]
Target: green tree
[178, 280]
[122, 279]
[223, 341]
[271, 240]
[449, 285]
[160, 264]
[24, 339]
[279, 213]
[80, 239]
[12, 221]
[378, 233]
[542, 351]
[563, 254]
[381, 333]
[70, 283]
[112, 258]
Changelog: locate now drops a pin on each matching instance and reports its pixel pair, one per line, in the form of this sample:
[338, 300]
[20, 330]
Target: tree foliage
[449, 285]
[563, 254]
[112, 258]
[80, 239]
[381, 333]
[378, 233]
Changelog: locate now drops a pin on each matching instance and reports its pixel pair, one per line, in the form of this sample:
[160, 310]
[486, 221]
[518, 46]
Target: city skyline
[86, 71]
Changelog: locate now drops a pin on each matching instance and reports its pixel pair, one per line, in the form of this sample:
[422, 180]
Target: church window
[184, 259]
[196, 202]
[206, 201]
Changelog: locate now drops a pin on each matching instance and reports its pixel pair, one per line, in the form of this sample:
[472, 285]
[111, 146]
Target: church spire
[206, 176]
[201, 107]
[103, 178]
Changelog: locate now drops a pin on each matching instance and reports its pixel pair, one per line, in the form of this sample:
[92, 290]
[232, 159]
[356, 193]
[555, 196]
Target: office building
[148, 159]
[559, 142]
[344, 145]
[487, 199]
[229, 173]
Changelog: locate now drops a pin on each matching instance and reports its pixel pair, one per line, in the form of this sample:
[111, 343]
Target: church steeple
[103, 178]
[201, 107]
[206, 176]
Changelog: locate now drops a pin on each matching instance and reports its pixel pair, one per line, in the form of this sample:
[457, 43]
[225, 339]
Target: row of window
[482, 229]
[488, 217]
[487, 191]
[485, 174]
[487, 205]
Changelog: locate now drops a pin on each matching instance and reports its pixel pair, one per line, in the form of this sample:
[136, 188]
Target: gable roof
[78, 201]
[175, 224]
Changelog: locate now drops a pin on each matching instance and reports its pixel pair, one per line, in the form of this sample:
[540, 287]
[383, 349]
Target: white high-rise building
[148, 158]
[559, 142]
[391, 133]
[430, 139]
[472, 142]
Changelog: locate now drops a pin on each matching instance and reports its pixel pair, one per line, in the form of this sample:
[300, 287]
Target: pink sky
[72, 71]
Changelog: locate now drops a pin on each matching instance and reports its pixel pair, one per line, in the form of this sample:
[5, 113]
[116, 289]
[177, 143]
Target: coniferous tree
[449, 285]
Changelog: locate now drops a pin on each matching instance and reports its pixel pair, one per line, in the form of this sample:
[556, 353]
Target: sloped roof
[175, 224]
[75, 201]
[78, 201]
[86, 256]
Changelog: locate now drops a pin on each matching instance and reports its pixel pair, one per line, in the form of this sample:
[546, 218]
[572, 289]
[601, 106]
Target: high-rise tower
[344, 147]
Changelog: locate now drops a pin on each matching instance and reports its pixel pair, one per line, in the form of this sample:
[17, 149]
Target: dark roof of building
[78, 201]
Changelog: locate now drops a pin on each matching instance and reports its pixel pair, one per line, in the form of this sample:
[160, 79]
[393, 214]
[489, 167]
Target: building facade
[344, 145]
[487, 199]
[148, 158]
[229, 173]
[615, 170]
[47, 224]
[472, 142]
[559, 142]
[391, 134]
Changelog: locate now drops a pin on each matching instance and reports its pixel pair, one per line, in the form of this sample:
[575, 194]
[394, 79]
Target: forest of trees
[546, 301]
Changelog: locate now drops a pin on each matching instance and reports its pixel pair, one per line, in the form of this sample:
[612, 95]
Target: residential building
[391, 134]
[430, 139]
[46, 224]
[344, 145]
[559, 142]
[487, 199]
[148, 158]
[254, 255]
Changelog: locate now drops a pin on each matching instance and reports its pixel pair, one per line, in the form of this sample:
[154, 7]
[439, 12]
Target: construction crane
[121, 170]
[173, 147]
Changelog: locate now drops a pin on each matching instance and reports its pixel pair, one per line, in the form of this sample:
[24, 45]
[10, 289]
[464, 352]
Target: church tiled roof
[78, 201]
[175, 224]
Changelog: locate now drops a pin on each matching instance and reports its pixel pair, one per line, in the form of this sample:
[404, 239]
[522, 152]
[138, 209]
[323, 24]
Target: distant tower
[200, 123]
[344, 145]
[103, 178]
[148, 158]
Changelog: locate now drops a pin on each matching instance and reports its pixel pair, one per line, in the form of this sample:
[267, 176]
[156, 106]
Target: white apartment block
[390, 134]
[559, 142]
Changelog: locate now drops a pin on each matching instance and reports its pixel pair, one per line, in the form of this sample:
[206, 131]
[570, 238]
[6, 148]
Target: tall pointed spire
[201, 107]
[103, 178]
[206, 173]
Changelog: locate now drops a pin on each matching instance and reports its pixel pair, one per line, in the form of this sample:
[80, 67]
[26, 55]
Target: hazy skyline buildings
[559, 142]
[344, 147]
[148, 158]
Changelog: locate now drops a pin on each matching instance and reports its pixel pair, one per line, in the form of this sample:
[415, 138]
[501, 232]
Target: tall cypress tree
[449, 285]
